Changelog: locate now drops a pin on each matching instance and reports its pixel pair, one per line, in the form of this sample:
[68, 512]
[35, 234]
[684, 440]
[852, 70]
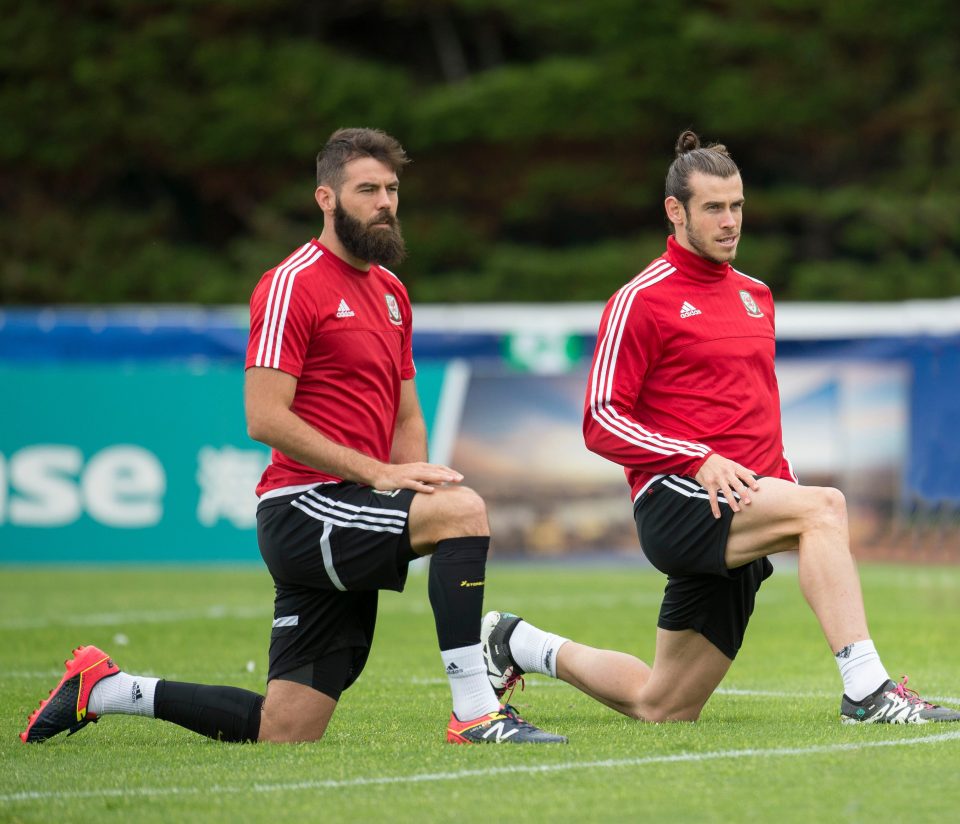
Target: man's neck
[694, 263]
[328, 237]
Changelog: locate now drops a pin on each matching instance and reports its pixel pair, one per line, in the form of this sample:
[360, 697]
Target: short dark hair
[692, 157]
[345, 145]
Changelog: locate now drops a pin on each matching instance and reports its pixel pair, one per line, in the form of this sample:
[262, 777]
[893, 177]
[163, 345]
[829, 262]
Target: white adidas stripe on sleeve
[278, 301]
[601, 381]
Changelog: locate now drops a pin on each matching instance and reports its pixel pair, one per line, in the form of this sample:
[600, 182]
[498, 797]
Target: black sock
[457, 575]
[221, 713]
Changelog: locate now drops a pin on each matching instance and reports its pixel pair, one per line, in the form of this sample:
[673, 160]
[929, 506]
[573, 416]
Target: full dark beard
[380, 245]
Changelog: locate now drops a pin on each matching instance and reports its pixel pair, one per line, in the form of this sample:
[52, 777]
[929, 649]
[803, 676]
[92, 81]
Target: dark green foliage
[163, 151]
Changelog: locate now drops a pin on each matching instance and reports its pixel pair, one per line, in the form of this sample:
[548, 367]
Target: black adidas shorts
[682, 539]
[330, 549]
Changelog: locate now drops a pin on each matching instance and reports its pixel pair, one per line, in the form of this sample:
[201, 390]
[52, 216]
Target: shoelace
[909, 695]
[511, 712]
[510, 686]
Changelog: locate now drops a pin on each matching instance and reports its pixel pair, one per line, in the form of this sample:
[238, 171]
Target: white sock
[473, 695]
[861, 669]
[123, 694]
[535, 650]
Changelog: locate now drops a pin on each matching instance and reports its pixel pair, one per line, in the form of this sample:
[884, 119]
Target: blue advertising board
[132, 462]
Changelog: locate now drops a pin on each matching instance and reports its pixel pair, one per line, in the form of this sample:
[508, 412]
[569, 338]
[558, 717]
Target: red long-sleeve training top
[684, 367]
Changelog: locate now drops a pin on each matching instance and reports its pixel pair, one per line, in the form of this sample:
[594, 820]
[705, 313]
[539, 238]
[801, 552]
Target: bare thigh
[294, 712]
[777, 515]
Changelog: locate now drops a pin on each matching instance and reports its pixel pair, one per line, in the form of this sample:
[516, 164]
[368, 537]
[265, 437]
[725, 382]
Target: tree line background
[164, 151]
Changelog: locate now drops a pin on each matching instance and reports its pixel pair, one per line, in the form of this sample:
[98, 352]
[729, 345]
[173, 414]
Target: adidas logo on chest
[344, 311]
[688, 310]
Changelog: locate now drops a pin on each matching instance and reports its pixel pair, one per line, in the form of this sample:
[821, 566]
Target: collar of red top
[690, 263]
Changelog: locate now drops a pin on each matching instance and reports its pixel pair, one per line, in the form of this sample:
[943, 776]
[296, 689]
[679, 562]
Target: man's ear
[676, 214]
[326, 198]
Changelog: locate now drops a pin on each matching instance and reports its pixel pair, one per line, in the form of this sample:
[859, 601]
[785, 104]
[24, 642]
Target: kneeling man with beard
[349, 498]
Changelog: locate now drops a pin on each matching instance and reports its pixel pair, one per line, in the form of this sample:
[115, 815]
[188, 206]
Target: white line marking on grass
[600, 599]
[594, 600]
[819, 694]
[394, 604]
[548, 683]
[420, 778]
[947, 699]
[772, 693]
[218, 612]
[30, 675]
[109, 619]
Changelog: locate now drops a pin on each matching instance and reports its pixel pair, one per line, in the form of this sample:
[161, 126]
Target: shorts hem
[720, 643]
[322, 667]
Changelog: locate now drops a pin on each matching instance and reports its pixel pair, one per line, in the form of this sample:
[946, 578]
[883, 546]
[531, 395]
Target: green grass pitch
[768, 747]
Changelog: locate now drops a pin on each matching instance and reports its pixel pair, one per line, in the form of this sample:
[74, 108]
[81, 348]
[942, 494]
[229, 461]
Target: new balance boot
[502, 727]
[66, 708]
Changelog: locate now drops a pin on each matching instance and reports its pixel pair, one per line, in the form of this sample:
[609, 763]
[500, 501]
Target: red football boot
[66, 708]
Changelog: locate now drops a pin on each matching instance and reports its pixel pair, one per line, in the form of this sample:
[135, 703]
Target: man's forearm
[288, 433]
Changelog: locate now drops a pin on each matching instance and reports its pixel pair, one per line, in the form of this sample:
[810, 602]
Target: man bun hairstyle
[345, 145]
[692, 157]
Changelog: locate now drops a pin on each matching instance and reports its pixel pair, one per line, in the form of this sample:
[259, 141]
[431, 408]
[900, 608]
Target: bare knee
[284, 727]
[658, 712]
[827, 509]
[294, 713]
[450, 512]
[835, 506]
[470, 513]
[643, 705]
[279, 732]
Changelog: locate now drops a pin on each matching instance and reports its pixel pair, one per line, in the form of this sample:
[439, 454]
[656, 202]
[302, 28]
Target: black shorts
[682, 539]
[330, 549]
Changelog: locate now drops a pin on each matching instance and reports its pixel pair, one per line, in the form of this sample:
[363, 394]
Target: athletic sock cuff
[473, 545]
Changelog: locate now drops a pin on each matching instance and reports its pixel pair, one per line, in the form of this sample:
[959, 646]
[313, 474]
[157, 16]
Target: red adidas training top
[345, 334]
[684, 367]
